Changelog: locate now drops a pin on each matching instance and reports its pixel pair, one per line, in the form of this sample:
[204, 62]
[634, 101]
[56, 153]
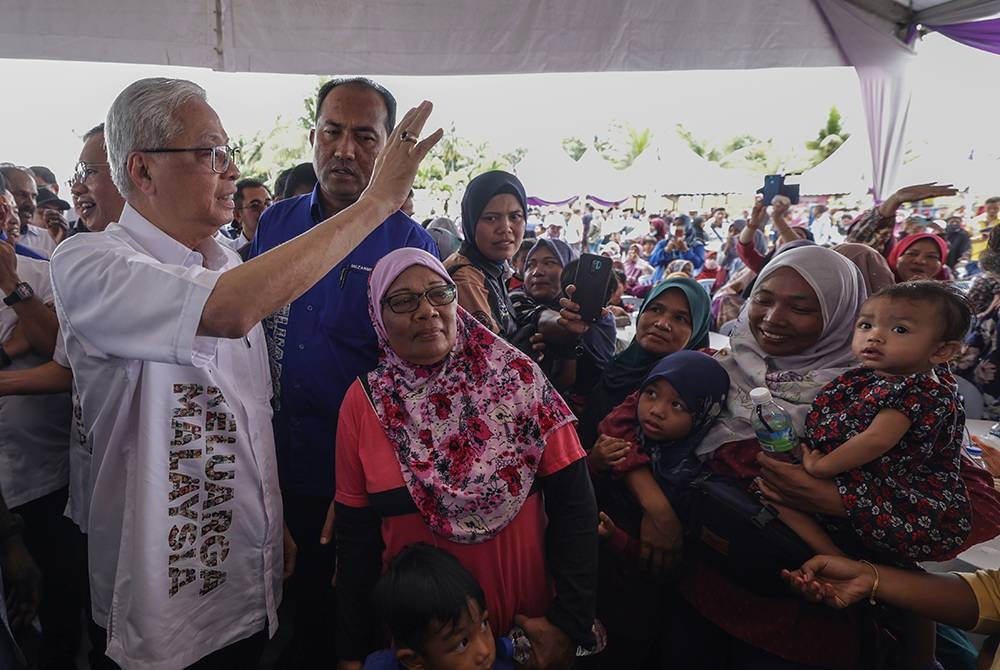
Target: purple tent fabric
[539, 202]
[983, 35]
[605, 203]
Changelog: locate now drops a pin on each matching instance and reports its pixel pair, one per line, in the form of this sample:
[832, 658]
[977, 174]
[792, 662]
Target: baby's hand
[607, 452]
[606, 527]
[811, 459]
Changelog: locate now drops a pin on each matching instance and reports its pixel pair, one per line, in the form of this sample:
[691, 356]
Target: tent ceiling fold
[424, 37]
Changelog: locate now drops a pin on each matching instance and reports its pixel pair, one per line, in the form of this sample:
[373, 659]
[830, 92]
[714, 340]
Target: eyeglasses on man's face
[404, 303]
[83, 171]
[257, 205]
[222, 155]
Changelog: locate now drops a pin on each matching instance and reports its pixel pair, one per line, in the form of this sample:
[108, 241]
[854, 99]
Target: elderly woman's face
[426, 335]
[921, 260]
[785, 315]
[665, 325]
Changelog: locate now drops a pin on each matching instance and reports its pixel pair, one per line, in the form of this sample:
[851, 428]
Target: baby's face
[896, 337]
[662, 413]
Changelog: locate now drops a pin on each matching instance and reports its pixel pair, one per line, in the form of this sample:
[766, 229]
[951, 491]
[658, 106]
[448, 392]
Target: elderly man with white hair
[161, 328]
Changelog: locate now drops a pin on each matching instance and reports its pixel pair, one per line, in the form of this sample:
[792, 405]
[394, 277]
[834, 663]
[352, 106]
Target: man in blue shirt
[323, 340]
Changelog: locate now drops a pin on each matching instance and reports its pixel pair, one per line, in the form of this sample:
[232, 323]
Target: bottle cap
[760, 395]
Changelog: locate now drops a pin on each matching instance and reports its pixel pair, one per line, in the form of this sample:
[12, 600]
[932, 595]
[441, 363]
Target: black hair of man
[8, 169]
[43, 173]
[954, 311]
[424, 591]
[3, 182]
[242, 184]
[96, 130]
[361, 82]
[300, 176]
[992, 201]
[280, 181]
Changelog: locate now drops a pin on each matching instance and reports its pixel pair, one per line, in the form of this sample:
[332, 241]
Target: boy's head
[912, 326]
[435, 611]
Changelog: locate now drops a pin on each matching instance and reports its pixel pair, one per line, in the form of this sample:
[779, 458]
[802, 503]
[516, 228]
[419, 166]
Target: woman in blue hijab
[493, 216]
[674, 316]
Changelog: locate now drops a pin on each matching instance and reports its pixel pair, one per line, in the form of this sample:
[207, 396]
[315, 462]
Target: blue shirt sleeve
[421, 239]
[696, 255]
[659, 257]
[599, 340]
[258, 245]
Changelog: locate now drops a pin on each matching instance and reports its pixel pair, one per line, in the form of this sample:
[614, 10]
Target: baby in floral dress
[896, 417]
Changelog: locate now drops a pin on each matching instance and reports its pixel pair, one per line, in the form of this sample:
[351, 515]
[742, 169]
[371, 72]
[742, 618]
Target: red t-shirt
[510, 567]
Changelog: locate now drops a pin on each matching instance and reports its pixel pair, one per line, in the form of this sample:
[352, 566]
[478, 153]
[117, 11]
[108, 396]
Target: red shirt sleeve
[351, 489]
[750, 256]
[562, 449]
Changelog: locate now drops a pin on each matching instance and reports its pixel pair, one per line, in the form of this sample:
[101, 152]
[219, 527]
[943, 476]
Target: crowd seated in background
[441, 446]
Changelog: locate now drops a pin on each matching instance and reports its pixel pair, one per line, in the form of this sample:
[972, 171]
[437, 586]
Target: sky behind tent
[953, 110]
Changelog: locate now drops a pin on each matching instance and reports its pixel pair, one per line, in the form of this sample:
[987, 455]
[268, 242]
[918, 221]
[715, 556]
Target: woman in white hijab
[793, 336]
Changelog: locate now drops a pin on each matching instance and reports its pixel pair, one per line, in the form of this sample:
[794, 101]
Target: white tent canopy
[425, 38]
[443, 37]
[844, 171]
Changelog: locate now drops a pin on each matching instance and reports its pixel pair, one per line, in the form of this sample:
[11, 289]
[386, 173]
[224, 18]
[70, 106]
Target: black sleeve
[359, 563]
[571, 550]
[677, 486]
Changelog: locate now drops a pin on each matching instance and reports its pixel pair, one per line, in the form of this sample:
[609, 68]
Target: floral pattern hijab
[468, 450]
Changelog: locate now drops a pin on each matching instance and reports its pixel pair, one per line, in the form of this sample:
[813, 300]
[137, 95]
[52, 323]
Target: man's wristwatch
[22, 291]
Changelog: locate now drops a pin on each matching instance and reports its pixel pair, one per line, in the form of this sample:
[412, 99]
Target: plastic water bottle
[774, 427]
[523, 653]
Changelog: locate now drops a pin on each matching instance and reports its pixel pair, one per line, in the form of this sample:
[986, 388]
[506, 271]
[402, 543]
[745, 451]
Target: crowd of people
[218, 394]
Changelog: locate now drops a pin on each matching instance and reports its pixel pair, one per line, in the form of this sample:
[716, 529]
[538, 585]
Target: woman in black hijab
[493, 217]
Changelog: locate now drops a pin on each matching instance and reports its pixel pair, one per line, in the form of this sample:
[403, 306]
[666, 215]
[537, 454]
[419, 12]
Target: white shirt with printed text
[185, 522]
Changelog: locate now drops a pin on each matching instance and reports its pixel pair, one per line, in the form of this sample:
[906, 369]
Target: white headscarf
[794, 380]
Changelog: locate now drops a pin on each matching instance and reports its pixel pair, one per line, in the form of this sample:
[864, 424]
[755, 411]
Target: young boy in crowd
[435, 611]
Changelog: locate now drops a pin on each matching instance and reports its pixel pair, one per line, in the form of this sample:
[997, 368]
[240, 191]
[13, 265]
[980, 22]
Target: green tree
[623, 144]
[574, 147]
[266, 153]
[308, 118]
[745, 152]
[829, 138]
[455, 160]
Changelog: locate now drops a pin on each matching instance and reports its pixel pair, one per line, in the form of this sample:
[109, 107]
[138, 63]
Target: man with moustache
[21, 184]
[320, 343]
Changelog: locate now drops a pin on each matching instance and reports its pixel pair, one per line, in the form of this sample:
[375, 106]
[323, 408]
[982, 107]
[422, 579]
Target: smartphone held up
[593, 275]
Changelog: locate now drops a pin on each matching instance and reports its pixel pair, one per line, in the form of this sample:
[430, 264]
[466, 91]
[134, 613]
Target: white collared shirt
[34, 429]
[80, 452]
[38, 239]
[237, 244]
[185, 522]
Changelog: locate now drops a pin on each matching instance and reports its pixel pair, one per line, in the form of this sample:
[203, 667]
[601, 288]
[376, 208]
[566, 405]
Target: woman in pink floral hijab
[457, 439]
